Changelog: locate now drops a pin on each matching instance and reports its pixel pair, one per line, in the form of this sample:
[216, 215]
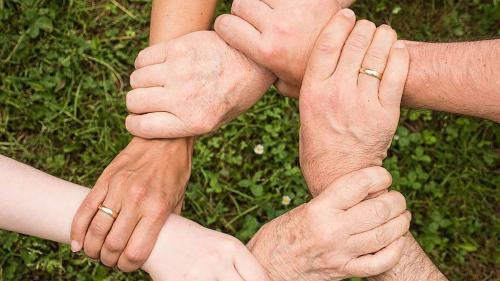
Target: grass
[64, 70]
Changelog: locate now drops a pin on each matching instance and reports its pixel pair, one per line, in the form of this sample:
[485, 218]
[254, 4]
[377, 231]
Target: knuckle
[357, 42]
[282, 29]
[134, 80]
[114, 245]
[135, 256]
[397, 199]
[268, 51]
[381, 237]
[376, 57]
[381, 210]
[366, 24]
[138, 193]
[141, 58]
[98, 228]
[327, 43]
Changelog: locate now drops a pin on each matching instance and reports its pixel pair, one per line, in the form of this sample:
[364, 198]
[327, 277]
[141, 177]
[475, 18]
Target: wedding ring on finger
[108, 211]
[371, 72]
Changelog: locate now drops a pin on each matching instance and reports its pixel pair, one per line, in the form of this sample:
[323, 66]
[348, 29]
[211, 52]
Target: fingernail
[348, 13]
[75, 246]
[399, 45]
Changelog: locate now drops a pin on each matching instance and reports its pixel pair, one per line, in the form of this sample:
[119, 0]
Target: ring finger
[101, 224]
[118, 237]
[376, 58]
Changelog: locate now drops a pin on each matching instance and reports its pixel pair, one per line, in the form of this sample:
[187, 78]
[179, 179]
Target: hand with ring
[350, 98]
[121, 218]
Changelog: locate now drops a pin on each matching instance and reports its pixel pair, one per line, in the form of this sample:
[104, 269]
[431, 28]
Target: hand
[348, 119]
[277, 34]
[189, 252]
[144, 184]
[337, 235]
[190, 86]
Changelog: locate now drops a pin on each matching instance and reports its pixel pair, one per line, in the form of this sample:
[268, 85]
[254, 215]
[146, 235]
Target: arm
[455, 77]
[146, 172]
[34, 203]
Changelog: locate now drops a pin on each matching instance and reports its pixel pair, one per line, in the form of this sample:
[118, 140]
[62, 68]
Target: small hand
[277, 34]
[339, 234]
[143, 184]
[189, 252]
[190, 86]
[348, 118]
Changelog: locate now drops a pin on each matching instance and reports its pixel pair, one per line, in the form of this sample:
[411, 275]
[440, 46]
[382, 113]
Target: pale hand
[277, 34]
[348, 119]
[190, 86]
[339, 234]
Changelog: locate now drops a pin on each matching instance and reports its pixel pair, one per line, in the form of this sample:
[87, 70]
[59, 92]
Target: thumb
[349, 190]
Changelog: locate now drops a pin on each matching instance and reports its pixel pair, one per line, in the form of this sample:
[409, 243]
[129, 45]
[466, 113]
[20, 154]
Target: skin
[187, 251]
[139, 176]
[34, 203]
[220, 89]
[329, 120]
[341, 112]
[451, 77]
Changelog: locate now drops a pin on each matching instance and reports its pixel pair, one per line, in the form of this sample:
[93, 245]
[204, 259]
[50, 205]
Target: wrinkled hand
[144, 184]
[348, 119]
[278, 34]
[190, 86]
[337, 235]
[189, 252]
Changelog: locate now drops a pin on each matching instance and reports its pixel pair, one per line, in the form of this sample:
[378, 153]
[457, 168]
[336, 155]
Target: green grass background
[64, 69]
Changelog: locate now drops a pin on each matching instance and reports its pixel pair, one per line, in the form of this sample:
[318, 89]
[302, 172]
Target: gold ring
[107, 211]
[371, 73]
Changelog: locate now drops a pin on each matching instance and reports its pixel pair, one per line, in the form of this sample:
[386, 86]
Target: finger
[374, 240]
[372, 213]
[376, 58]
[355, 49]
[118, 237]
[348, 190]
[240, 35]
[149, 76]
[394, 78]
[328, 48]
[86, 213]
[248, 267]
[157, 125]
[147, 100]
[374, 264]
[140, 244]
[287, 89]
[155, 54]
[100, 226]
[255, 12]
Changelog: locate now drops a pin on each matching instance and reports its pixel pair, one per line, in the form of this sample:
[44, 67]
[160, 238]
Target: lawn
[64, 69]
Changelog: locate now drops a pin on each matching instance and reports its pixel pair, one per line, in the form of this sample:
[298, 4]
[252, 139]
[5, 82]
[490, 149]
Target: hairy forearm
[459, 78]
[413, 266]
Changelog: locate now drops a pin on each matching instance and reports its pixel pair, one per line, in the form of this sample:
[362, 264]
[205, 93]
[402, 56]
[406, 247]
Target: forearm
[455, 77]
[174, 18]
[37, 204]
[413, 266]
[171, 19]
